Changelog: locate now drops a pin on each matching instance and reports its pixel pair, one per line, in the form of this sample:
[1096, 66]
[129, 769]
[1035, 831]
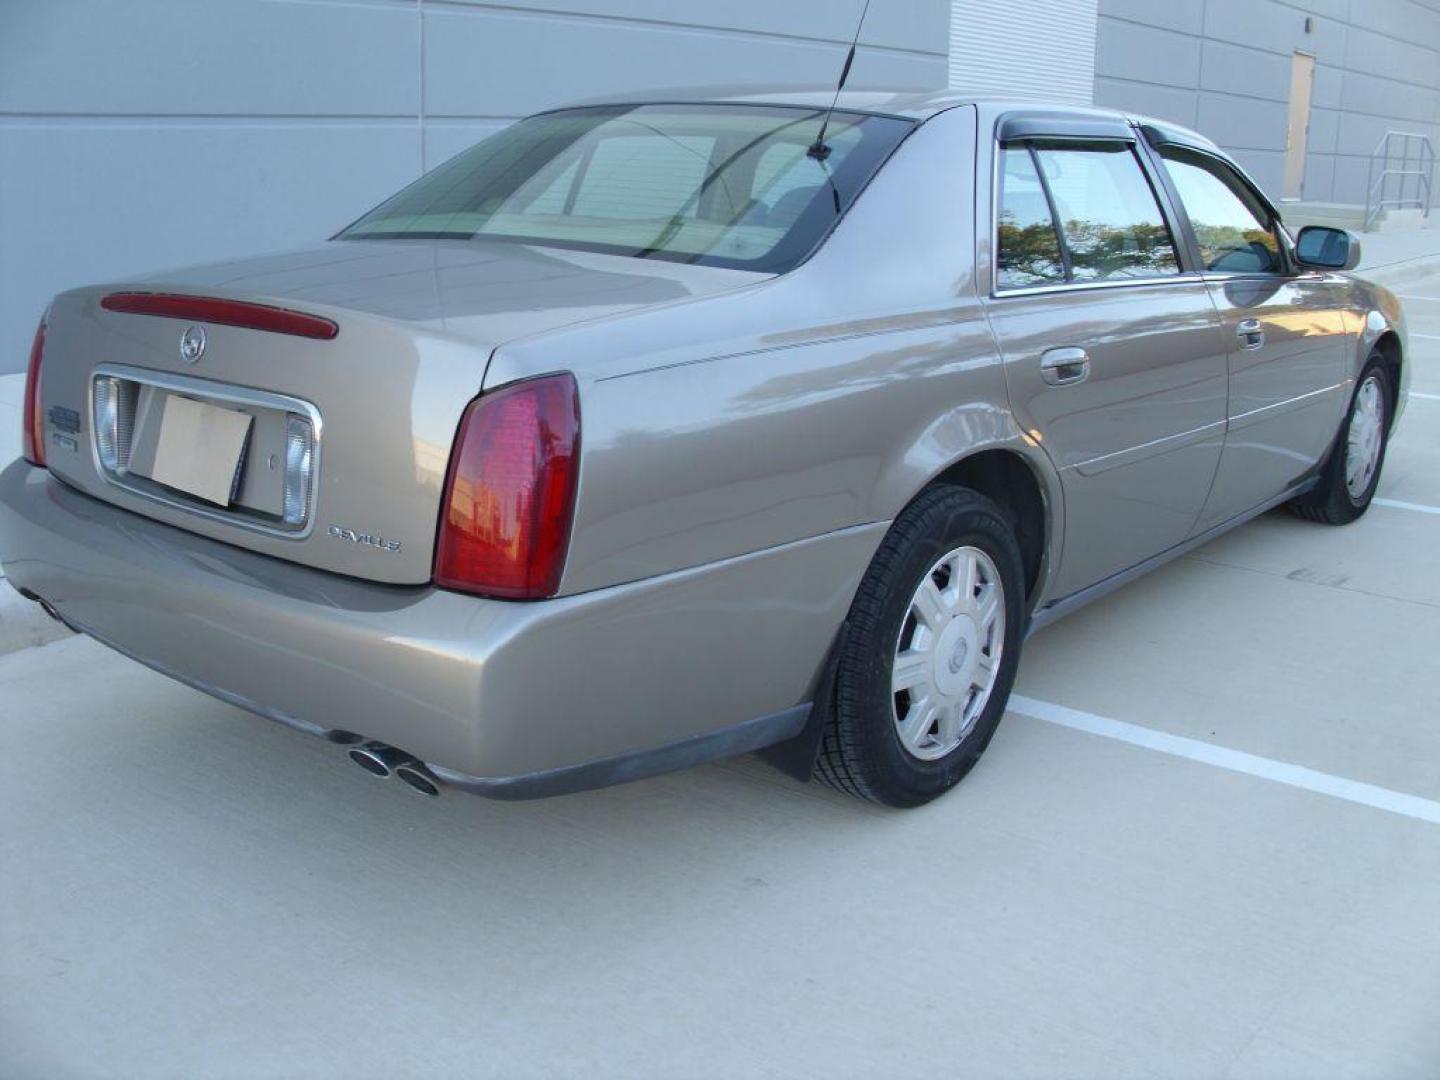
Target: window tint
[724, 185]
[640, 176]
[556, 188]
[787, 178]
[1112, 224]
[1231, 227]
[1028, 247]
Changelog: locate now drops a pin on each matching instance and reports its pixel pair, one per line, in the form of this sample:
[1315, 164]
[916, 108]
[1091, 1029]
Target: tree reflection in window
[1113, 226]
[1029, 249]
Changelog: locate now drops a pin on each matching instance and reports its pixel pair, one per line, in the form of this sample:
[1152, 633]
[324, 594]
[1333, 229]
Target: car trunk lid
[341, 461]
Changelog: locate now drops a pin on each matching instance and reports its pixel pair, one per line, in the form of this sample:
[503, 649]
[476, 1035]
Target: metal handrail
[1419, 166]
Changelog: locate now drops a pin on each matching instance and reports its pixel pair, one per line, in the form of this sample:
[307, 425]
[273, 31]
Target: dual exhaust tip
[376, 758]
[381, 760]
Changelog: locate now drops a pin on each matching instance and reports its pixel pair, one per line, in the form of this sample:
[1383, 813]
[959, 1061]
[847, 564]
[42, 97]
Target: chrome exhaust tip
[378, 759]
[418, 778]
[382, 760]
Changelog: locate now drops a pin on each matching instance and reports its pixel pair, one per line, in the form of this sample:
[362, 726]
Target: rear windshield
[718, 185]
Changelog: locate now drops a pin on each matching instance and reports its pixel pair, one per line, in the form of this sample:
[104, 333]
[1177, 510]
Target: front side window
[1111, 221]
[1231, 226]
[720, 185]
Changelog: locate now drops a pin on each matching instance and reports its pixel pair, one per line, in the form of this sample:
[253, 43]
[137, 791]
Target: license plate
[201, 449]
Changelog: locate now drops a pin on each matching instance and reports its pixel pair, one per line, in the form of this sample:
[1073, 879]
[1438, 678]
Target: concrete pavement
[1394, 258]
[187, 891]
[196, 893]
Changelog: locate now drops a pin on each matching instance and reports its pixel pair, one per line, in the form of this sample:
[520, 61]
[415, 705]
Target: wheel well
[1005, 477]
[1388, 346]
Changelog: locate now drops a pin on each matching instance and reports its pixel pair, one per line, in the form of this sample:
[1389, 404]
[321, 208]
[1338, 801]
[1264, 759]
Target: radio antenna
[818, 149]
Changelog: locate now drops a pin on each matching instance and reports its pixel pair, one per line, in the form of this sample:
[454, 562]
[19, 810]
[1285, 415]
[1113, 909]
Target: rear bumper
[508, 699]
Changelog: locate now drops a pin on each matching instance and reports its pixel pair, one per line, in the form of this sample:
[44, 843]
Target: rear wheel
[930, 652]
[1347, 483]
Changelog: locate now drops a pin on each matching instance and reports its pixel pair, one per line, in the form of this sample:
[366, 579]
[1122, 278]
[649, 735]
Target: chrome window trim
[1189, 277]
[1252, 275]
[205, 388]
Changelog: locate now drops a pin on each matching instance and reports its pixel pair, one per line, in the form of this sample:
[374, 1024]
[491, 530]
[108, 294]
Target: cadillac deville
[648, 432]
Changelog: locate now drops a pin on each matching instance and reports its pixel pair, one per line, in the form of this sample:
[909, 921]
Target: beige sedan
[645, 433]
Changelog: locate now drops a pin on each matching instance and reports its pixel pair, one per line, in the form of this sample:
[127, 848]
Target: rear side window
[1231, 227]
[1028, 245]
[1109, 222]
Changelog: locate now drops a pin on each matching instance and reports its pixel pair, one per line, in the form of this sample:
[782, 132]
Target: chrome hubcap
[948, 653]
[1362, 443]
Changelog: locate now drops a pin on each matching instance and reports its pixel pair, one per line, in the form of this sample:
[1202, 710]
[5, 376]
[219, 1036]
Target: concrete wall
[1223, 67]
[137, 135]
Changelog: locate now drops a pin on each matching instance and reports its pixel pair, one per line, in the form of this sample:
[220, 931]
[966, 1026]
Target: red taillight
[213, 309]
[510, 492]
[34, 422]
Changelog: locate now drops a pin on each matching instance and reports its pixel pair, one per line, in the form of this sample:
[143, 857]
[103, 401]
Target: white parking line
[1404, 296]
[1396, 504]
[1427, 337]
[1423, 397]
[1281, 772]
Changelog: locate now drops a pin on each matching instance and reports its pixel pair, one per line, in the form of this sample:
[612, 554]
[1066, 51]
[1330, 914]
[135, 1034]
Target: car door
[1285, 332]
[1113, 357]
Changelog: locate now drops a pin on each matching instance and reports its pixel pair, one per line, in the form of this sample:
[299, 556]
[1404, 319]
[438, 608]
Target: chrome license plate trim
[220, 392]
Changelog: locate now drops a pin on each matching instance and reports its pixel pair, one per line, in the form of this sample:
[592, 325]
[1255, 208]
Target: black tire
[1330, 501]
[861, 752]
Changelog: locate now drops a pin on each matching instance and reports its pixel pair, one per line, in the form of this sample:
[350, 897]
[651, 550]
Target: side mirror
[1327, 249]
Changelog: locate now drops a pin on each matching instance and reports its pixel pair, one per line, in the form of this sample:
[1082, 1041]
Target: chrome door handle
[1250, 333]
[1064, 366]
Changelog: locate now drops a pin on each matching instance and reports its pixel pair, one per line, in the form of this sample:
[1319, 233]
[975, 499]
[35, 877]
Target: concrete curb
[24, 624]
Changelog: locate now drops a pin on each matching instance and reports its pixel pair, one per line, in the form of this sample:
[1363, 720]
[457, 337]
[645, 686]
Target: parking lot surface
[1204, 843]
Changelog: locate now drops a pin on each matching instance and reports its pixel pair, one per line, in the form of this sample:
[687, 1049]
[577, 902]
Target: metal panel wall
[137, 135]
[1042, 48]
[1223, 67]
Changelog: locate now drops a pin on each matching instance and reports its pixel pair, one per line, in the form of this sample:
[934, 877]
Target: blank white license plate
[201, 450]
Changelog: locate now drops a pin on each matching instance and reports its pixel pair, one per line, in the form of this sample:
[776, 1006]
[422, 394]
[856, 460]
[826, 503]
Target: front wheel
[1348, 481]
[930, 652]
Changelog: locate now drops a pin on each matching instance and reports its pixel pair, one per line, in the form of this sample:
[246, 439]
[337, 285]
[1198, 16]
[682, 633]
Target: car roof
[911, 104]
[921, 105]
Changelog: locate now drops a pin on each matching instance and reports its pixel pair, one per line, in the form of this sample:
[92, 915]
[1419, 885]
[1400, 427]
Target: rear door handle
[1250, 333]
[1065, 366]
